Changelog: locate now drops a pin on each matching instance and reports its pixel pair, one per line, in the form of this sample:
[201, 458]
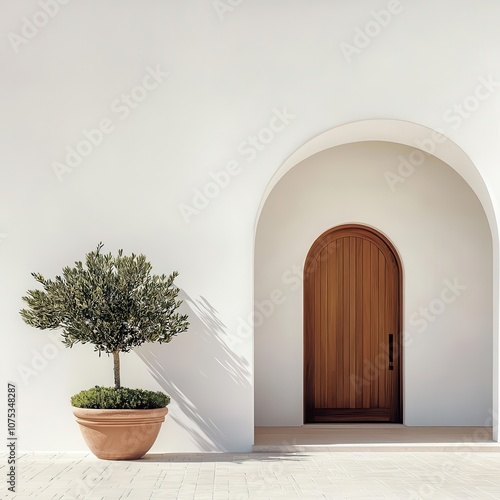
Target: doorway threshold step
[373, 437]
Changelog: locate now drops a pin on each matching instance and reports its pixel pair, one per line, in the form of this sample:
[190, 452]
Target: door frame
[398, 352]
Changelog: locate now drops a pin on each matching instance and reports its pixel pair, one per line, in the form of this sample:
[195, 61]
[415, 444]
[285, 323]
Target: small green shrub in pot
[107, 398]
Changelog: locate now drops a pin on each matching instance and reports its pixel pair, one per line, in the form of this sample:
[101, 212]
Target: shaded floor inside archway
[373, 437]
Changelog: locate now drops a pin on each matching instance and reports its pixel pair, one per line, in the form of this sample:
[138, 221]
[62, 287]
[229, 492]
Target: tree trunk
[116, 368]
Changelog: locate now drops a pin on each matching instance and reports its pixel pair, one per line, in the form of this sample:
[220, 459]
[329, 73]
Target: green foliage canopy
[112, 302]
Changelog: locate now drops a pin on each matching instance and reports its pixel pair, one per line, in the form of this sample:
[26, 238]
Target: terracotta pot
[119, 434]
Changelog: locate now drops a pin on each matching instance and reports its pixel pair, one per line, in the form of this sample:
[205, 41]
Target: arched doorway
[334, 179]
[352, 328]
[441, 233]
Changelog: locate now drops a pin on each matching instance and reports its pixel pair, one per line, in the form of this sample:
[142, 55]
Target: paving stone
[326, 475]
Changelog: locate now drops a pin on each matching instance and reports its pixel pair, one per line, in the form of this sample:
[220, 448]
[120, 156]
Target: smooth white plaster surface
[226, 77]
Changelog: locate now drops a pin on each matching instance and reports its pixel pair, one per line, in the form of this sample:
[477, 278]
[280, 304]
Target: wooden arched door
[352, 325]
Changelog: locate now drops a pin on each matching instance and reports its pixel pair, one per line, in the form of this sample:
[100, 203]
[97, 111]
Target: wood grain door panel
[352, 287]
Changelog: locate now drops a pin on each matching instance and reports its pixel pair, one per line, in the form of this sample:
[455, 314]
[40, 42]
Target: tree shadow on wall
[199, 371]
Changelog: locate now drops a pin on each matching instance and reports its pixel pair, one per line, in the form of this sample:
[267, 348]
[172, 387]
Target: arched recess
[418, 138]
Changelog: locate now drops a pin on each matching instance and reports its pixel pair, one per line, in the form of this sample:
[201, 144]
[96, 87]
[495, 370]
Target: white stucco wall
[203, 83]
[443, 238]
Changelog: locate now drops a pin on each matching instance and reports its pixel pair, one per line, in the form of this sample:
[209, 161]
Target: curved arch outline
[415, 135]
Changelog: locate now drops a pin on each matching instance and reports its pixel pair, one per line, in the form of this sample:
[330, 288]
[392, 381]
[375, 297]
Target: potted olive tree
[116, 304]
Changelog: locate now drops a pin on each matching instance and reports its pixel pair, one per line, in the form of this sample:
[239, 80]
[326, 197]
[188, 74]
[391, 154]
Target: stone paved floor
[238, 476]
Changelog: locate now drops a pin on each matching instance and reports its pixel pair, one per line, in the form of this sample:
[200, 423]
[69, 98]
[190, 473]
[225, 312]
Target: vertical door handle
[391, 351]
